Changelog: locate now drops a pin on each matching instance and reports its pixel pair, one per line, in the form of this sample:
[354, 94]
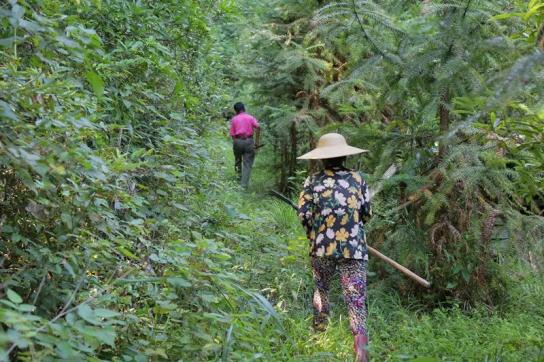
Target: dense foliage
[449, 92]
[105, 247]
[123, 236]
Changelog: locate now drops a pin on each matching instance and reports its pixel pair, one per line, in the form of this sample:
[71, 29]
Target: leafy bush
[123, 238]
[106, 251]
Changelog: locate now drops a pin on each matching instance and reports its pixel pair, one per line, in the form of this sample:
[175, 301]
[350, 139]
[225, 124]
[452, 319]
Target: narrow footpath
[272, 252]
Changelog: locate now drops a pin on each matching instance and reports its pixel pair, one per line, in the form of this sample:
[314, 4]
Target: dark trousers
[244, 155]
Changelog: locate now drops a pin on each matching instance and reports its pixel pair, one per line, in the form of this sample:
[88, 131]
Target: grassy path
[272, 252]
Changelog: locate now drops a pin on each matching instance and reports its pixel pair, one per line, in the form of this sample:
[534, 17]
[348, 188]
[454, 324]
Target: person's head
[333, 162]
[239, 107]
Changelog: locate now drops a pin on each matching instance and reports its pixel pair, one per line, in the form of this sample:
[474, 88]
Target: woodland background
[124, 236]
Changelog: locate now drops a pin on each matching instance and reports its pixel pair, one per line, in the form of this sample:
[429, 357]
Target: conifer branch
[367, 35]
[466, 8]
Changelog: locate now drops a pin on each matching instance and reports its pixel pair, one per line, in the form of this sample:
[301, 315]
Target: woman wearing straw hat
[333, 207]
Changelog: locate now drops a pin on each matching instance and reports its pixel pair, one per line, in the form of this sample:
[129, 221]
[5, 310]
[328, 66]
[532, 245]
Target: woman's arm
[366, 207]
[305, 206]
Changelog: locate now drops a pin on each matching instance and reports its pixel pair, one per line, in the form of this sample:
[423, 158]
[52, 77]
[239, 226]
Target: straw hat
[331, 145]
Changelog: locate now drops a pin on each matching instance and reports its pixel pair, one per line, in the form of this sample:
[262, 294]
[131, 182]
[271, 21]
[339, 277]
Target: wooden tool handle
[372, 251]
[399, 267]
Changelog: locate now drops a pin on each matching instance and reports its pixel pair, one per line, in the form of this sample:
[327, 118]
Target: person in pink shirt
[242, 128]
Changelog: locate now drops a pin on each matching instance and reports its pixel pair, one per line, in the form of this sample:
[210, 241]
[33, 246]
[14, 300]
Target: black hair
[239, 107]
[334, 162]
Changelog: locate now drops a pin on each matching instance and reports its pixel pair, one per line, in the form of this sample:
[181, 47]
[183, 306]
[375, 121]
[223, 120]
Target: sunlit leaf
[96, 82]
[14, 297]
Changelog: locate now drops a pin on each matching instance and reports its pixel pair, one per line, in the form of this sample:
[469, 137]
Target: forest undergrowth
[275, 255]
[124, 235]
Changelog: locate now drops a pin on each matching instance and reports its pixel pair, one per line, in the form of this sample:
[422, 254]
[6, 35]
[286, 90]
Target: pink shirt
[242, 125]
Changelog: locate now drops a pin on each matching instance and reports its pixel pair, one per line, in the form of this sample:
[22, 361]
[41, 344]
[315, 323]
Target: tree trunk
[312, 167]
[540, 38]
[444, 115]
[294, 150]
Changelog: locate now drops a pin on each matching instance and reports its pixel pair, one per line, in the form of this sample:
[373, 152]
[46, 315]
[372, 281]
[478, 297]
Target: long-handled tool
[372, 251]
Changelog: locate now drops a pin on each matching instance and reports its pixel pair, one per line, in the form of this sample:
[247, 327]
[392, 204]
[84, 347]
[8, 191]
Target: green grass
[272, 253]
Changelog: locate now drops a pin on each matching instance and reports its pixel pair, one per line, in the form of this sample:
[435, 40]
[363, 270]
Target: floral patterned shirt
[332, 208]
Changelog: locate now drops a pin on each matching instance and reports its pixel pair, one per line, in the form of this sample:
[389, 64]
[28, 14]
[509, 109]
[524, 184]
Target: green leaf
[66, 219]
[6, 111]
[96, 83]
[105, 313]
[17, 11]
[136, 222]
[26, 308]
[15, 337]
[127, 252]
[7, 42]
[14, 297]
[86, 313]
[178, 282]
[68, 268]
[243, 217]
[65, 350]
[104, 335]
[507, 16]
[30, 26]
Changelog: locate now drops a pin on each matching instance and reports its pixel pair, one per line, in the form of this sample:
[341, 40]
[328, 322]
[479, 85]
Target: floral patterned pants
[353, 281]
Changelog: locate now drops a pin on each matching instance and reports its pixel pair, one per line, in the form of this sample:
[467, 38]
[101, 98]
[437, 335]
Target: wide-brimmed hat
[331, 145]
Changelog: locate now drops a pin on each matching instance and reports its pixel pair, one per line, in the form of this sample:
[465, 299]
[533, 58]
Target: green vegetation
[124, 237]
[448, 92]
